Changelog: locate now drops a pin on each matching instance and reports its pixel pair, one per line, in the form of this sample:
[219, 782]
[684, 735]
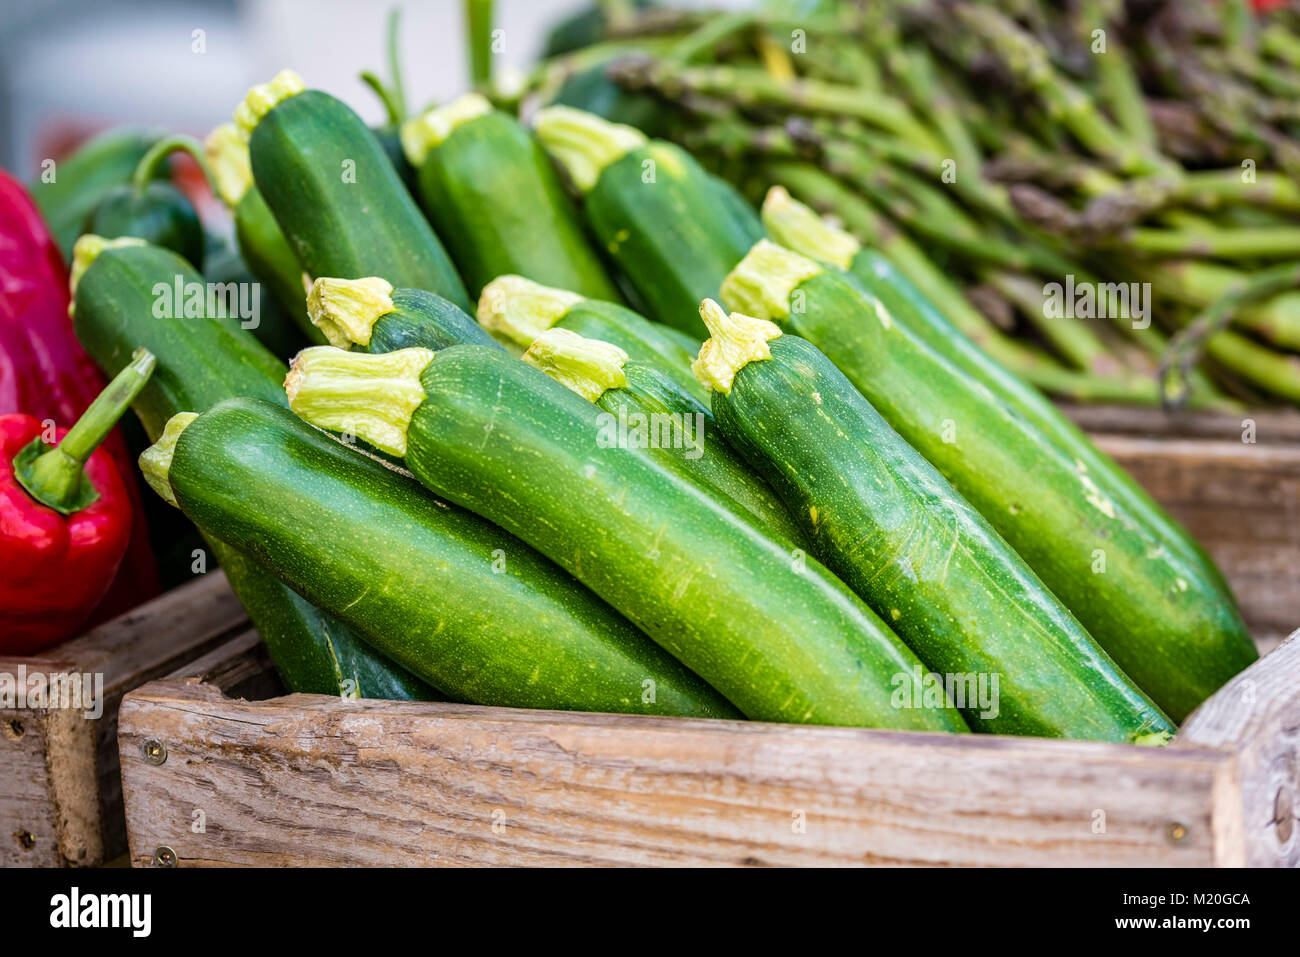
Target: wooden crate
[1278, 426]
[309, 780]
[60, 790]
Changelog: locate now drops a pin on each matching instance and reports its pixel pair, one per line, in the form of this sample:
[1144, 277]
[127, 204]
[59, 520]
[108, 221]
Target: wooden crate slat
[1257, 716]
[1272, 426]
[308, 780]
[59, 780]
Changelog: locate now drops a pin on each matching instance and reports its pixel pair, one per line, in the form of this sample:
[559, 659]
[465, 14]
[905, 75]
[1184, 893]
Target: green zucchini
[262, 244]
[371, 315]
[882, 518]
[517, 310]
[202, 361]
[466, 606]
[644, 406]
[798, 228]
[774, 631]
[389, 138]
[334, 193]
[275, 330]
[1159, 615]
[673, 229]
[487, 185]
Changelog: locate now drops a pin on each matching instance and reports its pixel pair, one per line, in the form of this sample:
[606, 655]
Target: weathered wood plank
[1271, 426]
[28, 827]
[1256, 717]
[60, 786]
[308, 780]
[1242, 502]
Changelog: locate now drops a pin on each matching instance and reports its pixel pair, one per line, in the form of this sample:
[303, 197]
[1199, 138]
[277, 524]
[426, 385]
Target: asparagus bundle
[1073, 184]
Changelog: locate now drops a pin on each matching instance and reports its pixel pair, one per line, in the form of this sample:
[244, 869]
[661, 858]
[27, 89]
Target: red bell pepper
[65, 518]
[45, 372]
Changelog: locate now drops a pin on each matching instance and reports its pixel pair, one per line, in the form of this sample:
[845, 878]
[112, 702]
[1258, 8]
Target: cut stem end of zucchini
[86, 251]
[589, 367]
[346, 310]
[227, 153]
[583, 143]
[1156, 739]
[156, 461]
[763, 282]
[368, 396]
[432, 129]
[799, 228]
[263, 98]
[735, 340]
[516, 310]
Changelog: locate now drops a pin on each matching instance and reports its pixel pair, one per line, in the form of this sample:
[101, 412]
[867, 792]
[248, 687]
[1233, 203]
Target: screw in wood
[154, 751]
[1177, 832]
[164, 856]
[26, 840]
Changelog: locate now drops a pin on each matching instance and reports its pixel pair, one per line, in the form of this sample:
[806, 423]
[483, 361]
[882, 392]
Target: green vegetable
[518, 310]
[370, 314]
[334, 193]
[275, 330]
[772, 630]
[69, 190]
[202, 361]
[153, 210]
[894, 530]
[645, 407]
[1159, 615]
[673, 230]
[389, 139]
[261, 241]
[798, 228]
[488, 186]
[466, 606]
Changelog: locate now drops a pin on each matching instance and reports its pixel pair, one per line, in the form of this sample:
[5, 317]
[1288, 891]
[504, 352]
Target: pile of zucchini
[663, 465]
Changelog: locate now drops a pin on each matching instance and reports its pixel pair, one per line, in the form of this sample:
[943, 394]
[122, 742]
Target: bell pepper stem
[147, 168]
[56, 477]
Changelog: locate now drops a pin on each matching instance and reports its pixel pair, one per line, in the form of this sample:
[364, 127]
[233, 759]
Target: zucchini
[517, 310]
[673, 229]
[262, 243]
[487, 185]
[798, 228]
[202, 361]
[275, 330]
[463, 604]
[1160, 616]
[334, 193]
[644, 406]
[774, 632]
[389, 138]
[371, 315]
[882, 518]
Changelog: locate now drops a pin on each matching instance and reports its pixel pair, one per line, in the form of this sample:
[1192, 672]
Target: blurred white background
[72, 66]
